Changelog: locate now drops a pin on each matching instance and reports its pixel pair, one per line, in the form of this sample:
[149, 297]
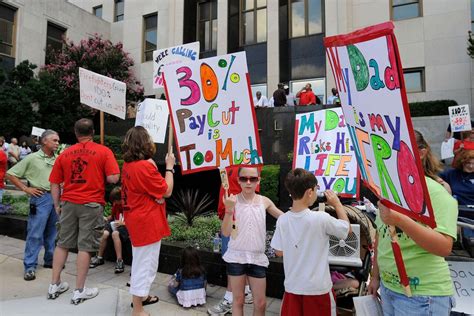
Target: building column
[222, 22]
[176, 10]
[273, 47]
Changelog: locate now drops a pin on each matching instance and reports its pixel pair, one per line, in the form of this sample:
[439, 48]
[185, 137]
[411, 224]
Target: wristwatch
[170, 170]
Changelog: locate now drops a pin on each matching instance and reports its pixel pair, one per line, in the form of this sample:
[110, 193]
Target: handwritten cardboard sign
[103, 93]
[460, 118]
[212, 112]
[176, 54]
[153, 114]
[462, 274]
[369, 77]
[323, 146]
[36, 131]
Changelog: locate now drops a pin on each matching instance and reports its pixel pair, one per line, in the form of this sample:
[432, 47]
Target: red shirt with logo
[3, 168]
[145, 216]
[83, 169]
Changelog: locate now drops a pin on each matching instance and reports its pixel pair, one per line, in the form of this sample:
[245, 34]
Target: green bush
[431, 108]
[19, 203]
[113, 142]
[270, 181]
[200, 234]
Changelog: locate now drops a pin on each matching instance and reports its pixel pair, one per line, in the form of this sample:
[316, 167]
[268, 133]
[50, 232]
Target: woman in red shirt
[143, 190]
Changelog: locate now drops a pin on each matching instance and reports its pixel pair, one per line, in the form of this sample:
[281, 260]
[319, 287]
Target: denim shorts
[395, 304]
[252, 270]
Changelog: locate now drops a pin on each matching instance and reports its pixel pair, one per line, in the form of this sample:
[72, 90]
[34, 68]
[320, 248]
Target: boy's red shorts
[306, 305]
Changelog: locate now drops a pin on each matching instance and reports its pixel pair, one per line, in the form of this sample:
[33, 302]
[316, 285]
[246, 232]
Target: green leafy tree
[58, 93]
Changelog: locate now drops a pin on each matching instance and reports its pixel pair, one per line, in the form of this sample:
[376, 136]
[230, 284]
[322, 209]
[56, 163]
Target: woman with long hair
[143, 190]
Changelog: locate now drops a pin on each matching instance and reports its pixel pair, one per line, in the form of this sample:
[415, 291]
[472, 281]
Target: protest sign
[323, 147]
[460, 118]
[153, 114]
[462, 274]
[176, 54]
[369, 77]
[36, 131]
[102, 93]
[212, 111]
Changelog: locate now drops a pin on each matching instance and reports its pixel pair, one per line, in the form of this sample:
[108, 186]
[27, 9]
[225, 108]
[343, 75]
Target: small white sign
[103, 93]
[460, 118]
[153, 115]
[36, 131]
[462, 274]
[172, 55]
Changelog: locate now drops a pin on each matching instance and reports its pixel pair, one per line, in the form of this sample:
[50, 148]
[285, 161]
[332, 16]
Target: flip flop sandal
[151, 299]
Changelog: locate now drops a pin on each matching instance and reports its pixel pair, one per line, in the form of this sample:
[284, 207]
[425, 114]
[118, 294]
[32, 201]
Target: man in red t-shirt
[307, 96]
[82, 169]
[3, 169]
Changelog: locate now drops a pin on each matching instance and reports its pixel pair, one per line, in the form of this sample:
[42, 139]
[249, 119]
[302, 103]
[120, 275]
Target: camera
[321, 197]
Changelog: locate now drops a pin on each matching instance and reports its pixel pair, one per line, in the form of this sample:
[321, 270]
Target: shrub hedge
[431, 108]
[113, 142]
[270, 181]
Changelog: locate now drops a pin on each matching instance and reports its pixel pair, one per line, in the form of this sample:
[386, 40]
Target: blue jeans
[41, 231]
[395, 304]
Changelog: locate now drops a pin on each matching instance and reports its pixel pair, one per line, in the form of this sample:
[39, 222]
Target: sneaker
[248, 297]
[119, 266]
[87, 293]
[55, 290]
[48, 265]
[29, 275]
[222, 308]
[96, 261]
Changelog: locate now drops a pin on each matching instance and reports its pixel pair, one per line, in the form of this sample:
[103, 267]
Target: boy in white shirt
[302, 238]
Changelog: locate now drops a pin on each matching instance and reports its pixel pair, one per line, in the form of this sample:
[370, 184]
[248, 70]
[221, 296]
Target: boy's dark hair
[115, 194]
[298, 181]
[191, 264]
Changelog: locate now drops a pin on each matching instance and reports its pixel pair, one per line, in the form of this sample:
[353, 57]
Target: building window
[119, 10]
[405, 9]
[97, 11]
[414, 80]
[7, 30]
[149, 36]
[54, 39]
[207, 25]
[306, 17]
[254, 21]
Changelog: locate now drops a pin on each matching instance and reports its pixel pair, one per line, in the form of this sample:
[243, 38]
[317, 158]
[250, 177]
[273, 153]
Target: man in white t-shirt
[302, 238]
[260, 100]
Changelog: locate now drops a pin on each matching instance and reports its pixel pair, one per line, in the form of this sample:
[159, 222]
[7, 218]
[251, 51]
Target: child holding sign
[423, 252]
[244, 221]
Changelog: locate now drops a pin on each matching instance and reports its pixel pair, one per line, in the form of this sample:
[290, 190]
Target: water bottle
[216, 243]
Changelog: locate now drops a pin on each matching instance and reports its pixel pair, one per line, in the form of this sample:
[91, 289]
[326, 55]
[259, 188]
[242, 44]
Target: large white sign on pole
[153, 114]
[460, 118]
[462, 274]
[172, 55]
[36, 131]
[103, 93]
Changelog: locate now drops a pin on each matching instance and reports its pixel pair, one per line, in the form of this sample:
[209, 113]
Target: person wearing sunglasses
[244, 221]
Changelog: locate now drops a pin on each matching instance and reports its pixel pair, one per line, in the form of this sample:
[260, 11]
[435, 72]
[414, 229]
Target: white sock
[247, 289]
[228, 297]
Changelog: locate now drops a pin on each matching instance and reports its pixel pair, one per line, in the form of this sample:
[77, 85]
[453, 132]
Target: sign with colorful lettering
[212, 112]
[153, 114]
[323, 147]
[460, 118]
[102, 93]
[171, 55]
[369, 77]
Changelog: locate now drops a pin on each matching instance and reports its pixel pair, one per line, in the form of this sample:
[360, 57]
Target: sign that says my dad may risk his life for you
[323, 147]
[369, 77]
[460, 118]
[153, 114]
[171, 55]
[212, 111]
[102, 93]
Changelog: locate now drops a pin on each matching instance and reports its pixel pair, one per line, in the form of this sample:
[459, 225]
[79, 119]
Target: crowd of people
[68, 190]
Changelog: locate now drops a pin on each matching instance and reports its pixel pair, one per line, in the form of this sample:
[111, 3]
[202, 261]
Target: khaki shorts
[81, 226]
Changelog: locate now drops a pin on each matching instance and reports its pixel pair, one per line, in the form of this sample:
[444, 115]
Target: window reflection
[253, 18]
[207, 25]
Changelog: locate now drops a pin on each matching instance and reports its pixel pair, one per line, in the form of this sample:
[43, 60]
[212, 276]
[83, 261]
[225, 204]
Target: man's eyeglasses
[251, 179]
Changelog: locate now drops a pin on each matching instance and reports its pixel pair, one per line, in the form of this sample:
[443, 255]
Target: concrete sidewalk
[19, 297]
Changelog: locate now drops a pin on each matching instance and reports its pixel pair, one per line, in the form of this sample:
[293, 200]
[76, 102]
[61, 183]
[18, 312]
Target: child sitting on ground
[302, 238]
[189, 283]
[116, 227]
